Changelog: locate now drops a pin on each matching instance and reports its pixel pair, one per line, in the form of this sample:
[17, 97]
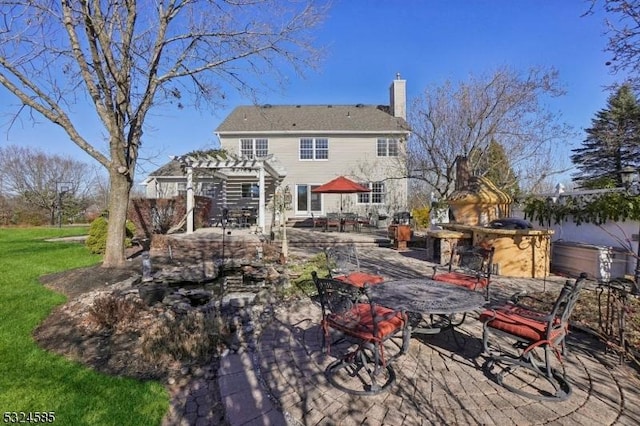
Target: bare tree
[35, 178]
[130, 56]
[623, 28]
[463, 119]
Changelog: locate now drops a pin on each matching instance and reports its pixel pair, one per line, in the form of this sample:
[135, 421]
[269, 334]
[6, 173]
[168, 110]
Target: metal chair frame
[470, 267]
[332, 220]
[532, 329]
[349, 219]
[344, 265]
[348, 310]
[612, 321]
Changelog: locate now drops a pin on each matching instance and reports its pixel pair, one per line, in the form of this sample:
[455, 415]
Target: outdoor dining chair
[538, 337]
[469, 267]
[377, 336]
[344, 265]
[332, 221]
[350, 220]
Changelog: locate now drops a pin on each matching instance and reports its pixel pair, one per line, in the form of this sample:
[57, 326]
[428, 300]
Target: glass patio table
[425, 297]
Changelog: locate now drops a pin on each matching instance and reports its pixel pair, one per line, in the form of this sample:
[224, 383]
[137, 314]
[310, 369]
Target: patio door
[307, 202]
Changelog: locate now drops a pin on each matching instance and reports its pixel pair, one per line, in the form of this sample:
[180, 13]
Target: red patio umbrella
[340, 185]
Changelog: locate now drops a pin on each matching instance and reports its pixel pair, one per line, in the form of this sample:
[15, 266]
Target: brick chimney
[462, 173]
[398, 97]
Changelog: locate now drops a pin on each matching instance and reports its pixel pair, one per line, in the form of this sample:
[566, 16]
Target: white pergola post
[232, 163]
[190, 201]
[262, 198]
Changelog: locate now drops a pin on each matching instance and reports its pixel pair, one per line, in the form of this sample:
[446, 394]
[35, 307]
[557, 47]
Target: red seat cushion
[358, 321]
[520, 322]
[359, 279]
[463, 280]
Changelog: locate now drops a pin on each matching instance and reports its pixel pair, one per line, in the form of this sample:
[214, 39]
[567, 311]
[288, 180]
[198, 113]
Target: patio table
[424, 296]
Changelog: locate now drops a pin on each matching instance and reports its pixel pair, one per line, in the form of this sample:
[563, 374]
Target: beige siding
[354, 156]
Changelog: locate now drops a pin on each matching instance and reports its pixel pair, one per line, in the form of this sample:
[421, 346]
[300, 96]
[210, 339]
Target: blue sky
[369, 41]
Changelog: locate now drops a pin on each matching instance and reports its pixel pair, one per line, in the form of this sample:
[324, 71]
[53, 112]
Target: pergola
[227, 165]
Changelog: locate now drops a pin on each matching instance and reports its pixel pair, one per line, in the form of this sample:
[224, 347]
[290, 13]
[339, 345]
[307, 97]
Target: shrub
[97, 239]
[421, 217]
[194, 336]
[109, 311]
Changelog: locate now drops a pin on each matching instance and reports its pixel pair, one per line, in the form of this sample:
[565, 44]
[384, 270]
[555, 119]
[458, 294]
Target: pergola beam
[260, 165]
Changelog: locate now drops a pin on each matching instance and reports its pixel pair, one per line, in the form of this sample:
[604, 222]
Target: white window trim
[386, 153]
[254, 146]
[314, 149]
[370, 195]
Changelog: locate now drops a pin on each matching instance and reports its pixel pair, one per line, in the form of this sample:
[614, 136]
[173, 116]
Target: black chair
[318, 221]
[538, 336]
[349, 220]
[469, 267]
[365, 369]
[332, 221]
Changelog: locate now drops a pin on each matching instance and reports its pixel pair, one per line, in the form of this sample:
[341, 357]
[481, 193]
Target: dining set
[378, 318]
[341, 222]
[234, 218]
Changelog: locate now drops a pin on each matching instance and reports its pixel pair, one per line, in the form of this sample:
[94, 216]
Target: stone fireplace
[476, 202]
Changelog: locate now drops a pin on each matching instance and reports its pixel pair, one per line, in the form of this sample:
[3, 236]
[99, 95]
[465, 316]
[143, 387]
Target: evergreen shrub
[97, 239]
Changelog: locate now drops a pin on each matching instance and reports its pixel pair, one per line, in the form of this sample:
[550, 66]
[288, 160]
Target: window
[307, 202]
[387, 147]
[182, 188]
[314, 149]
[376, 196]
[250, 190]
[254, 147]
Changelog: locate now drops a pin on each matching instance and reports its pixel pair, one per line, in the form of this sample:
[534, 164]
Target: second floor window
[253, 148]
[387, 147]
[314, 148]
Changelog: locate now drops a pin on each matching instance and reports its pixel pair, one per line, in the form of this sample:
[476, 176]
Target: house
[300, 147]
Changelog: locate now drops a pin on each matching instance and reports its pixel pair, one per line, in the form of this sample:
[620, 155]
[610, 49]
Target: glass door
[307, 202]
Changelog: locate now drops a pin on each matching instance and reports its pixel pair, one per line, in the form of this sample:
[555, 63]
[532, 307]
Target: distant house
[301, 147]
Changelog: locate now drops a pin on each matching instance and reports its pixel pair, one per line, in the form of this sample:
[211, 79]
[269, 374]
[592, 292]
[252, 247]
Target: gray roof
[313, 118]
[172, 168]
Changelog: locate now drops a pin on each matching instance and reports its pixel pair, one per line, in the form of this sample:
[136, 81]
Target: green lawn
[33, 380]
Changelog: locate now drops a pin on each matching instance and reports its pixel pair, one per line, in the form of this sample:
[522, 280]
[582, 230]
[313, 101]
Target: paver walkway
[436, 383]
[282, 382]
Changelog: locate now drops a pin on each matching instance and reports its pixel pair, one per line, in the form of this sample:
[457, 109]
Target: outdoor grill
[510, 223]
[401, 218]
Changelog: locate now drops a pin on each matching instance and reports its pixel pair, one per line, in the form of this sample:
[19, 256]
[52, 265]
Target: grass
[32, 379]
[303, 282]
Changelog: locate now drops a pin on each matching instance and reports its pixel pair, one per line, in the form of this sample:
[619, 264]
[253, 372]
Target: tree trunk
[118, 206]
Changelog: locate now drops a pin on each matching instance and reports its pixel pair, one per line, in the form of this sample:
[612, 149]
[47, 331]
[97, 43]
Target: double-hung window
[376, 196]
[387, 147]
[253, 148]
[314, 149]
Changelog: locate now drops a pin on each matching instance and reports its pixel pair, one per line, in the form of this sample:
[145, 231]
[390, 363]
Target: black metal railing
[613, 310]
